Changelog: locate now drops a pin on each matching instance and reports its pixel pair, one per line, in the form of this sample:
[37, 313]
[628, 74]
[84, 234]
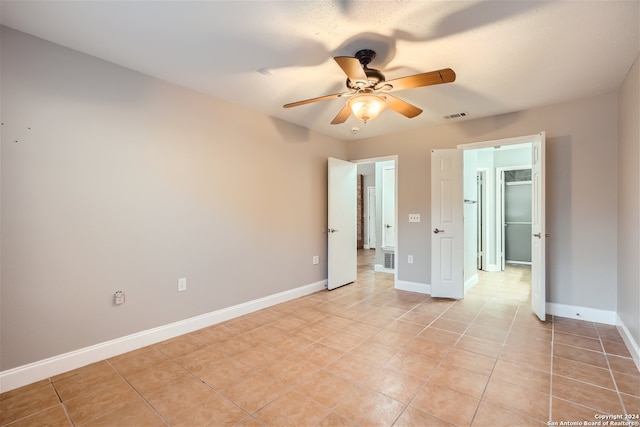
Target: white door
[538, 267]
[389, 207]
[447, 228]
[341, 228]
[371, 217]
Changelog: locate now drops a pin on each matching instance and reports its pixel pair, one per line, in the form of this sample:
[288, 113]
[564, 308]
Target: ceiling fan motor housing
[365, 56]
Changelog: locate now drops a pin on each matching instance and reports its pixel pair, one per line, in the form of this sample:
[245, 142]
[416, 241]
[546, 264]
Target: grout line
[613, 377]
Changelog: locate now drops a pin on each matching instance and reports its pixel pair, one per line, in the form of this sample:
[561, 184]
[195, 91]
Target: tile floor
[364, 354]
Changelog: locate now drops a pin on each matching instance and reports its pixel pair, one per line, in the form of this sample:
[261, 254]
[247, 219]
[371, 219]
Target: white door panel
[538, 266]
[342, 224]
[447, 237]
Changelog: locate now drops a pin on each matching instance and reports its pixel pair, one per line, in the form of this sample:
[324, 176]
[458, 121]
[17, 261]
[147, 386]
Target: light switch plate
[414, 217]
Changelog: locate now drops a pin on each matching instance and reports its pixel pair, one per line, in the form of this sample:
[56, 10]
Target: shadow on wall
[290, 132]
[558, 214]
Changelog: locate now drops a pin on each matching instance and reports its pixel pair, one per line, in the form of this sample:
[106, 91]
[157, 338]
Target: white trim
[471, 282]
[499, 142]
[607, 317]
[405, 285]
[27, 374]
[632, 345]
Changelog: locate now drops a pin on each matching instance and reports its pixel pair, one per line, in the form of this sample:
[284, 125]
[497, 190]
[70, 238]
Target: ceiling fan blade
[402, 107]
[342, 116]
[446, 75]
[320, 98]
[352, 68]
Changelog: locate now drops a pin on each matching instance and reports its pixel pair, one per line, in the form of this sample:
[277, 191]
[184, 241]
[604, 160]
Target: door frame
[500, 233]
[395, 203]
[531, 139]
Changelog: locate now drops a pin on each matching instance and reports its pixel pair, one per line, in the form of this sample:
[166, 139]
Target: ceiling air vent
[456, 116]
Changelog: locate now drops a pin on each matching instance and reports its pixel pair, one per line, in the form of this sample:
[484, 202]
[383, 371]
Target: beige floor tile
[255, 392]
[261, 356]
[101, 400]
[224, 373]
[336, 420]
[631, 403]
[134, 413]
[478, 345]
[292, 409]
[628, 384]
[178, 396]
[532, 359]
[29, 400]
[626, 365]
[325, 388]
[616, 348]
[84, 379]
[397, 385]
[563, 410]
[495, 416]
[412, 417]
[577, 341]
[180, 346]
[52, 417]
[583, 372]
[466, 382]
[412, 364]
[588, 395]
[439, 336]
[343, 341]
[292, 370]
[353, 368]
[580, 355]
[320, 354]
[470, 361]
[446, 404]
[369, 408]
[450, 325]
[137, 360]
[158, 377]
[529, 378]
[216, 411]
[375, 351]
[517, 399]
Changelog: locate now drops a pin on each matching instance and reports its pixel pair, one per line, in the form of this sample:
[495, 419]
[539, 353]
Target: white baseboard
[405, 285]
[27, 374]
[582, 313]
[471, 282]
[632, 345]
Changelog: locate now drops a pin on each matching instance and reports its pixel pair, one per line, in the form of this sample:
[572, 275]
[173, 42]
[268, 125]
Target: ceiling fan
[369, 91]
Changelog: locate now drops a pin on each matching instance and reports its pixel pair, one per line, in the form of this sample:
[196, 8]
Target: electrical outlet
[118, 298]
[182, 284]
[414, 217]
[316, 260]
[410, 259]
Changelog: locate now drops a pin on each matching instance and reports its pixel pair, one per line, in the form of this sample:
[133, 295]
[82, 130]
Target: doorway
[454, 242]
[379, 207]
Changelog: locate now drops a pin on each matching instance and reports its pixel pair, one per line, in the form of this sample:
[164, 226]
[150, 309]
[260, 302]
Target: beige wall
[629, 201]
[121, 181]
[581, 192]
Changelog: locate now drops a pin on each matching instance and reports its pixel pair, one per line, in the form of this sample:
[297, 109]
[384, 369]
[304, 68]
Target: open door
[538, 241]
[447, 238]
[342, 237]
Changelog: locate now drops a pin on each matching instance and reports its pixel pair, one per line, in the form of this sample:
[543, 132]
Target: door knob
[538, 235]
[438, 231]
[387, 225]
[332, 230]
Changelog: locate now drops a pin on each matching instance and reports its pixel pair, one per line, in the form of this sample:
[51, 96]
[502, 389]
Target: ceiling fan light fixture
[366, 105]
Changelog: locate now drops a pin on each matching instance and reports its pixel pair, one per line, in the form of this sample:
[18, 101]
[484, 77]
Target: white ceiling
[508, 55]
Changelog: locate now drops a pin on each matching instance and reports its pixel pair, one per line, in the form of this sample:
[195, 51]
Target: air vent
[389, 260]
[456, 116]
